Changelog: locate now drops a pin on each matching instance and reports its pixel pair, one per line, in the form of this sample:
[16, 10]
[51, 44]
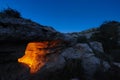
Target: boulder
[88, 60]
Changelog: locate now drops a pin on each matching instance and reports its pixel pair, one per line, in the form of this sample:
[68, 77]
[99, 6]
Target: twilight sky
[67, 15]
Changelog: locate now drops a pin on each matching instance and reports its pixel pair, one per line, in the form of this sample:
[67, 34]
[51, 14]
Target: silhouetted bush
[10, 13]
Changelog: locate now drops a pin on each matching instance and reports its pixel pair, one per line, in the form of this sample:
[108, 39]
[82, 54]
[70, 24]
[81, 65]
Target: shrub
[9, 12]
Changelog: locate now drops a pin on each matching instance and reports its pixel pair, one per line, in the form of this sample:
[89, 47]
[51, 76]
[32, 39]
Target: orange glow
[35, 54]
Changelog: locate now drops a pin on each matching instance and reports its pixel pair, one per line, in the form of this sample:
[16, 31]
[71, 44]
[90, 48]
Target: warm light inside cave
[35, 54]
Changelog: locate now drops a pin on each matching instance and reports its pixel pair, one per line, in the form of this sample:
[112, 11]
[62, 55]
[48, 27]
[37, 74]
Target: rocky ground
[89, 55]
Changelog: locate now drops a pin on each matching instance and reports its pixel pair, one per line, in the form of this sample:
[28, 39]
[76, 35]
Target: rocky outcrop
[88, 55]
[89, 61]
[15, 33]
[109, 36]
[19, 29]
[78, 61]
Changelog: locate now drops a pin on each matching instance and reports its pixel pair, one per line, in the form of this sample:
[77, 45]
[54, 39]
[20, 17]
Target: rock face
[78, 61]
[14, 71]
[88, 55]
[13, 29]
[15, 33]
[109, 36]
[89, 62]
[10, 52]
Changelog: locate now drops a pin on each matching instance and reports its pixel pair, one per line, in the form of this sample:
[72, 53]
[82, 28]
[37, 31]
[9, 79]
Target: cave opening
[36, 52]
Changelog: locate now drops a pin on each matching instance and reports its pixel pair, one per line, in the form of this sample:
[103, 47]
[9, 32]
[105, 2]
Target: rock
[111, 30]
[75, 79]
[51, 70]
[76, 37]
[89, 62]
[55, 65]
[118, 36]
[97, 46]
[109, 36]
[73, 56]
[90, 65]
[14, 71]
[15, 33]
[10, 52]
[15, 29]
[71, 53]
[117, 64]
[69, 39]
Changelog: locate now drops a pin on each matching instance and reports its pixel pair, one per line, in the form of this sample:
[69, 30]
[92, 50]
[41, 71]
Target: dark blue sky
[67, 15]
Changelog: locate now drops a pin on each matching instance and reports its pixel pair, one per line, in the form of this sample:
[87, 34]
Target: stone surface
[10, 52]
[89, 61]
[109, 36]
[14, 71]
[50, 69]
[19, 29]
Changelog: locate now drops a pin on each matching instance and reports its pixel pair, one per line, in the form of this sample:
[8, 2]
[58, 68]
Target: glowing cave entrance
[35, 54]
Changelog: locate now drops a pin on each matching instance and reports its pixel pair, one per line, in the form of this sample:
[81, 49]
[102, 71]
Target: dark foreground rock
[10, 52]
[14, 71]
